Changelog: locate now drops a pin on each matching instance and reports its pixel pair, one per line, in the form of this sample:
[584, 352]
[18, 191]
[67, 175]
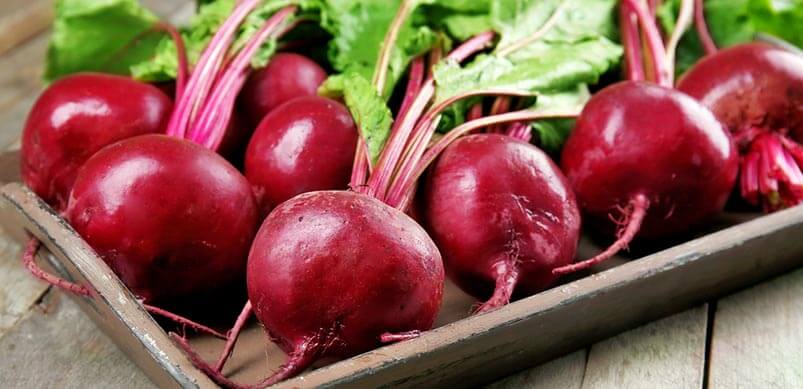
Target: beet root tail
[29, 260]
[178, 319]
[233, 334]
[507, 276]
[634, 217]
[298, 361]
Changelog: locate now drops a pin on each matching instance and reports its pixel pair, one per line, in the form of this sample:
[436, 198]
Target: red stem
[475, 112]
[181, 320]
[634, 217]
[29, 260]
[382, 176]
[632, 44]
[210, 127]
[233, 334]
[654, 43]
[507, 276]
[500, 105]
[181, 52]
[700, 24]
[465, 128]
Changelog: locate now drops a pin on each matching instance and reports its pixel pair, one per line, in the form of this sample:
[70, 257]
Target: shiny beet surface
[170, 217]
[757, 91]
[638, 138]
[341, 268]
[750, 85]
[286, 77]
[493, 202]
[305, 145]
[78, 115]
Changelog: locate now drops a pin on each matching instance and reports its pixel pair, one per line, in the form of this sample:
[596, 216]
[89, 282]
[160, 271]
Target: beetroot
[286, 77]
[653, 152]
[756, 90]
[502, 215]
[330, 272]
[304, 145]
[78, 115]
[171, 218]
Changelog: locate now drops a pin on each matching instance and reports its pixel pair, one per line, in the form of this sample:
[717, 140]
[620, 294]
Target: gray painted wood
[668, 353]
[56, 345]
[562, 373]
[758, 337]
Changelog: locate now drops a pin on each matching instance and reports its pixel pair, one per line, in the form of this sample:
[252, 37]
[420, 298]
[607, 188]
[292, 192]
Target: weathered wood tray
[460, 350]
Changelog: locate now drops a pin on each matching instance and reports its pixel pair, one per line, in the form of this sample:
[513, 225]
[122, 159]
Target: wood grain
[668, 353]
[57, 345]
[18, 290]
[21, 20]
[562, 373]
[758, 337]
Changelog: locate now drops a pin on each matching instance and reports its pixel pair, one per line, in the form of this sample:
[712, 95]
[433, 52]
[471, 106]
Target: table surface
[752, 339]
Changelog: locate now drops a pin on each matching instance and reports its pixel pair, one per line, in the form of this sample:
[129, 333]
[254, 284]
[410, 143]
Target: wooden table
[753, 339]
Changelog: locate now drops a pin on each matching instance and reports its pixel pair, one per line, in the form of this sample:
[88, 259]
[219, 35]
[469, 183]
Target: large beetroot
[169, 217]
[78, 115]
[503, 216]
[756, 90]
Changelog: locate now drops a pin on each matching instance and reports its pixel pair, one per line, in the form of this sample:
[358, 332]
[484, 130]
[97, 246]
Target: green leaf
[577, 50]
[359, 28]
[372, 115]
[99, 35]
[197, 35]
[553, 133]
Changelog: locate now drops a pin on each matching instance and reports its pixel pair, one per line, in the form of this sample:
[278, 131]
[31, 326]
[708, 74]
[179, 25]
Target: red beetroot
[77, 116]
[503, 216]
[305, 145]
[286, 77]
[653, 152]
[170, 217]
[330, 272]
[756, 90]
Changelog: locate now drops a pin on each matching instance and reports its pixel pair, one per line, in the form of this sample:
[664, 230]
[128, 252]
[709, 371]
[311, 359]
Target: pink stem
[233, 334]
[29, 260]
[748, 183]
[632, 44]
[181, 53]
[380, 179]
[702, 28]
[636, 213]
[422, 134]
[654, 42]
[507, 276]
[182, 320]
[520, 131]
[206, 70]
[501, 105]
[210, 127]
[432, 152]
[475, 112]
[359, 173]
[396, 337]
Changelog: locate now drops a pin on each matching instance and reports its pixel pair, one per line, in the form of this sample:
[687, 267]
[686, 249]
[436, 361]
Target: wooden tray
[472, 350]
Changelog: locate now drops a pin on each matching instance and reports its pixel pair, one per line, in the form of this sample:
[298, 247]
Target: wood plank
[21, 20]
[758, 337]
[563, 373]
[18, 290]
[56, 345]
[668, 353]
